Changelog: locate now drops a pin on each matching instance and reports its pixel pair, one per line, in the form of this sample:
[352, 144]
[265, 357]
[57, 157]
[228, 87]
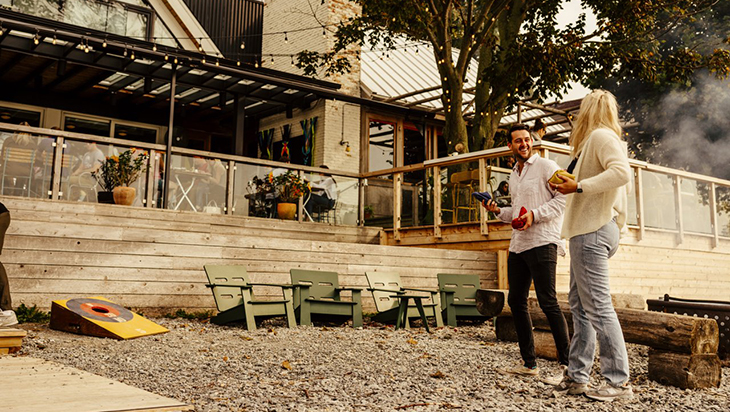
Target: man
[534, 247]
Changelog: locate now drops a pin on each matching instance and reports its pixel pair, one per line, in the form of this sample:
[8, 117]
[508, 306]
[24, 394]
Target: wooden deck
[30, 385]
[152, 260]
[651, 266]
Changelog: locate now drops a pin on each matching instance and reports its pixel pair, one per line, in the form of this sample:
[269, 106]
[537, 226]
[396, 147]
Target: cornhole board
[11, 340]
[97, 316]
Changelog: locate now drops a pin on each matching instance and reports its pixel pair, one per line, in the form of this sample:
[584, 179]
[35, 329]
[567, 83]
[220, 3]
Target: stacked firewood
[683, 349]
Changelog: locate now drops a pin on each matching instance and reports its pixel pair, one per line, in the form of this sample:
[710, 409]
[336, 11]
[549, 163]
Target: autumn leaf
[438, 375]
[225, 359]
[286, 365]
[412, 341]
[246, 338]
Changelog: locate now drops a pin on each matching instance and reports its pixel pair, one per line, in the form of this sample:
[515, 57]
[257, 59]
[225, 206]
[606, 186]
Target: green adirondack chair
[458, 297]
[234, 297]
[384, 285]
[317, 294]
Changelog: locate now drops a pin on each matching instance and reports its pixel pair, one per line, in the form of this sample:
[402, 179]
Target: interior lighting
[238, 63]
[200, 45]
[217, 63]
[132, 55]
[243, 44]
[175, 61]
[36, 38]
[203, 60]
[55, 40]
[166, 57]
[154, 47]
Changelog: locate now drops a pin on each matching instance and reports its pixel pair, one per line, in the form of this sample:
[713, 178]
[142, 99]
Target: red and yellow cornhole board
[97, 316]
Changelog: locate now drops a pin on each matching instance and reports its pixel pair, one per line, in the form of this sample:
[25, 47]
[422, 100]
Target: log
[504, 328]
[684, 370]
[544, 345]
[493, 302]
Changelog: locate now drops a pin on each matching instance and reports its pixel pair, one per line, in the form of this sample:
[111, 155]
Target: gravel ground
[226, 368]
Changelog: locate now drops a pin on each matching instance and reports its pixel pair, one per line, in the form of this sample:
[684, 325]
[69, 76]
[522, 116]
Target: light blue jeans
[592, 309]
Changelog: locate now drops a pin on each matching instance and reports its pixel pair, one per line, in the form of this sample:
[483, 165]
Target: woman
[594, 216]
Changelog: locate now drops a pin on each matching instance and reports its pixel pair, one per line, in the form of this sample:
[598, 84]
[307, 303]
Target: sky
[569, 14]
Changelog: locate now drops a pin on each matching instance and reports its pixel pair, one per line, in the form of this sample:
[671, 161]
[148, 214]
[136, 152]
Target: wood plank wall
[152, 259]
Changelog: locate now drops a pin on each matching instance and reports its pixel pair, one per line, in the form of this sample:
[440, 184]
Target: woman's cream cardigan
[604, 173]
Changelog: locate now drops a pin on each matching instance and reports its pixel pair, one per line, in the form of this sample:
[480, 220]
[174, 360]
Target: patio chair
[17, 170]
[383, 285]
[234, 297]
[317, 294]
[458, 297]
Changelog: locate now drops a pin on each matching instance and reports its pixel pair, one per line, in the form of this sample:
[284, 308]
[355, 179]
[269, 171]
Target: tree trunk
[685, 371]
[455, 125]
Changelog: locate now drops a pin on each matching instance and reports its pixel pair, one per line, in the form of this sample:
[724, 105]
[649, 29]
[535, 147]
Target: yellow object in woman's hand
[555, 178]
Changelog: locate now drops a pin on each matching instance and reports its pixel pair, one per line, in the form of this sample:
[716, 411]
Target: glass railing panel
[416, 199]
[457, 184]
[562, 159]
[197, 184]
[333, 199]
[722, 201]
[158, 181]
[80, 159]
[695, 206]
[26, 164]
[254, 193]
[379, 202]
[658, 194]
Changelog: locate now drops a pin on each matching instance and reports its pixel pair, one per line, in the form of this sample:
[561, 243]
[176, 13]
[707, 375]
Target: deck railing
[44, 163]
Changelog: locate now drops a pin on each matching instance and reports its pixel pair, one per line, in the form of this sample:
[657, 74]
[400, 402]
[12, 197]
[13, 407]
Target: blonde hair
[598, 110]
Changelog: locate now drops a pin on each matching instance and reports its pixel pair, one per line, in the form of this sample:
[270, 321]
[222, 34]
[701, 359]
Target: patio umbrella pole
[168, 153]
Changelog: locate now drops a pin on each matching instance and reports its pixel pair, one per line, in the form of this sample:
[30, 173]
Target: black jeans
[538, 265]
[5, 301]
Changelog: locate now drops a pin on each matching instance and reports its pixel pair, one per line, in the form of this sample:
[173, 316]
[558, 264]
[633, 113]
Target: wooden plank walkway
[30, 385]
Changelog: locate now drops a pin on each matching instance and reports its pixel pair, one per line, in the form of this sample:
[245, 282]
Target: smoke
[694, 126]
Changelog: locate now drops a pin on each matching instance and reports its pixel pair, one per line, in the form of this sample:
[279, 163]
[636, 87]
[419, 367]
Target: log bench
[683, 348]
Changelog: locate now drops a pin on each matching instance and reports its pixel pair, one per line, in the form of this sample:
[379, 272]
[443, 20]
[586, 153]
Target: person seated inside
[501, 195]
[538, 130]
[324, 194]
[15, 167]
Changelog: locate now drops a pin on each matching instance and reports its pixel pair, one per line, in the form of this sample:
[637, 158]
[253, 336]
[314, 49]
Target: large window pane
[659, 211]
[17, 116]
[722, 199]
[695, 206]
[381, 137]
[414, 144]
[136, 25]
[136, 133]
[86, 13]
[87, 126]
[416, 195]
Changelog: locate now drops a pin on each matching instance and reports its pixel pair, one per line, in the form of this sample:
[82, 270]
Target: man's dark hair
[517, 126]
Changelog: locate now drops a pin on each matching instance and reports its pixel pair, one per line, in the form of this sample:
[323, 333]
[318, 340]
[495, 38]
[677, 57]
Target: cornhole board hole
[11, 340]
[97, 316]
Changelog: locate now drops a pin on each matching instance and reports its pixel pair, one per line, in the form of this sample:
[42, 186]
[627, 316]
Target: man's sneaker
[8, 318]
[524, 370]
[556, 379]
[608, 392]
[569, 386]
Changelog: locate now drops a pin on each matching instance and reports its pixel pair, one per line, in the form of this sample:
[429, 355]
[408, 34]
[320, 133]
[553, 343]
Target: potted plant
[119, 172]
[289, 188]
[368, 211]
[105, 176]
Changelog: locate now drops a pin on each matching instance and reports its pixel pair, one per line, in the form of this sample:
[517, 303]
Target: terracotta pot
[105, 197]
[286, 210]
[124, 195]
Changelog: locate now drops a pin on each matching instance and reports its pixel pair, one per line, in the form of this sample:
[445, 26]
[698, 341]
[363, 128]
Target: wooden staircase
[152, 259]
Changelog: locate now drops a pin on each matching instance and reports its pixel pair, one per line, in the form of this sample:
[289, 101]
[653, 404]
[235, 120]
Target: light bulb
[104, 44]
[243, 44]
[154, 47]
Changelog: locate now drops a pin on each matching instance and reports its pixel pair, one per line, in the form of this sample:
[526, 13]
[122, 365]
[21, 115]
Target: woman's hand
[568, 186]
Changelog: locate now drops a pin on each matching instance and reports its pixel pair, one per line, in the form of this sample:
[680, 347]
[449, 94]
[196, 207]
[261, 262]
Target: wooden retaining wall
[651, 266]
[153, 259]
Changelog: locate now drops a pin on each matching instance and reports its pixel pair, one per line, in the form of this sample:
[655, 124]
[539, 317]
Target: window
[17, 116]
[87, 126]
[381, 138]
[136, 133]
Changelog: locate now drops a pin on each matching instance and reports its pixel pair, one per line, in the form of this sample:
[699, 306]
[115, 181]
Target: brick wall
[338, 121]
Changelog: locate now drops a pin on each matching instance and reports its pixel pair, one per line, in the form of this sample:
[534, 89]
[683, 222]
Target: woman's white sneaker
[8, 318]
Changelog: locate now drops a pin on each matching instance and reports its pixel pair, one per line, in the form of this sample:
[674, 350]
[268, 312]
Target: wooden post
[639, 189]
[170, 136]
[300, 201]
[361, 183]
[229, 209]
[713, 216]
[151, 183]
[502, 279]
[56, 192]
[437, 202]
[484, 174]
[397, 204]
[679, 223]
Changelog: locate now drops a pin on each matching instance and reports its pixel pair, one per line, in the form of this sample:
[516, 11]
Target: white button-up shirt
[530, 190]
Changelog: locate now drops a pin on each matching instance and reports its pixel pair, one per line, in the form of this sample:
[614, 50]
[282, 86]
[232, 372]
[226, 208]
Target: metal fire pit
[710, 309]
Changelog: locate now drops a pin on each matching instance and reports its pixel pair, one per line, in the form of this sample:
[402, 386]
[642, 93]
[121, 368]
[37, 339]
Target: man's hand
[491, 206]
[568, 186]
[528, 218]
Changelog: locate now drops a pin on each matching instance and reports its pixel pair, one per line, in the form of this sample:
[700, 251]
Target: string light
[86, 47]
[154, 44]
[132, 55]
[175, 61]
[243, 44]
[324, 32]
[104, 43]
[200, 45]
[292, 60]
[203, 59]
[238, 63]
[166, 57]
[272, 59]
[37, 38]
[54, 38]
[217, 63]
[2, 30]
[125, 50]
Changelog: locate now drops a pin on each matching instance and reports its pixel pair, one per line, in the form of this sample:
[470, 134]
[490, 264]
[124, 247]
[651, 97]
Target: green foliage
[122, 170]
[522, 50]
[181, 314]
[31, 315]
[290, 187]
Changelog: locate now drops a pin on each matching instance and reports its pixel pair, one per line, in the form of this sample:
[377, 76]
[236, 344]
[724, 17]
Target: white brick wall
[286, 15]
